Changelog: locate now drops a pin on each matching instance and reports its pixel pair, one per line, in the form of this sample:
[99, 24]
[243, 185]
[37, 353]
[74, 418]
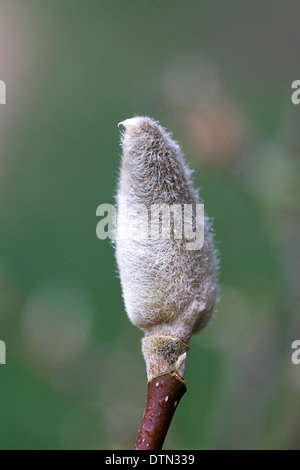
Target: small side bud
[169, 289]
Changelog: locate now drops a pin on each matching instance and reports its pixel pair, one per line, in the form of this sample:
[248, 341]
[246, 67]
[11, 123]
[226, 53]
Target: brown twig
[163, 395]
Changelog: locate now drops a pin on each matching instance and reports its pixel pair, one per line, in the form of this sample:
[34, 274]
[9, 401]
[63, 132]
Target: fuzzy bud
[168, 283]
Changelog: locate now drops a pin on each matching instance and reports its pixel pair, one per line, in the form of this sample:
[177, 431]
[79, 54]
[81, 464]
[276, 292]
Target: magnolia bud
[168, 283]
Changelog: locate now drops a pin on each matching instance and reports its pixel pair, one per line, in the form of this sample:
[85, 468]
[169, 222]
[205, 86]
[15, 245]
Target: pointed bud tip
[139, 122]
[131, 122]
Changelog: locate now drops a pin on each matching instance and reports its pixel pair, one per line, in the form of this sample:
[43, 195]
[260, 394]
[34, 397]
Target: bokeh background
[218, 74]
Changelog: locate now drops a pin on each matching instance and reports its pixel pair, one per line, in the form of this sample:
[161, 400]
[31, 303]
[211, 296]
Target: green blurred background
[218, 74]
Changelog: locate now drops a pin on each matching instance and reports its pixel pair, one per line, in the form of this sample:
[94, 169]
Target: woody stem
[163, 395]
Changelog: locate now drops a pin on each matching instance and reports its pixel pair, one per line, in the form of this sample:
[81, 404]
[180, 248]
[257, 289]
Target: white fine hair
[167, 289]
